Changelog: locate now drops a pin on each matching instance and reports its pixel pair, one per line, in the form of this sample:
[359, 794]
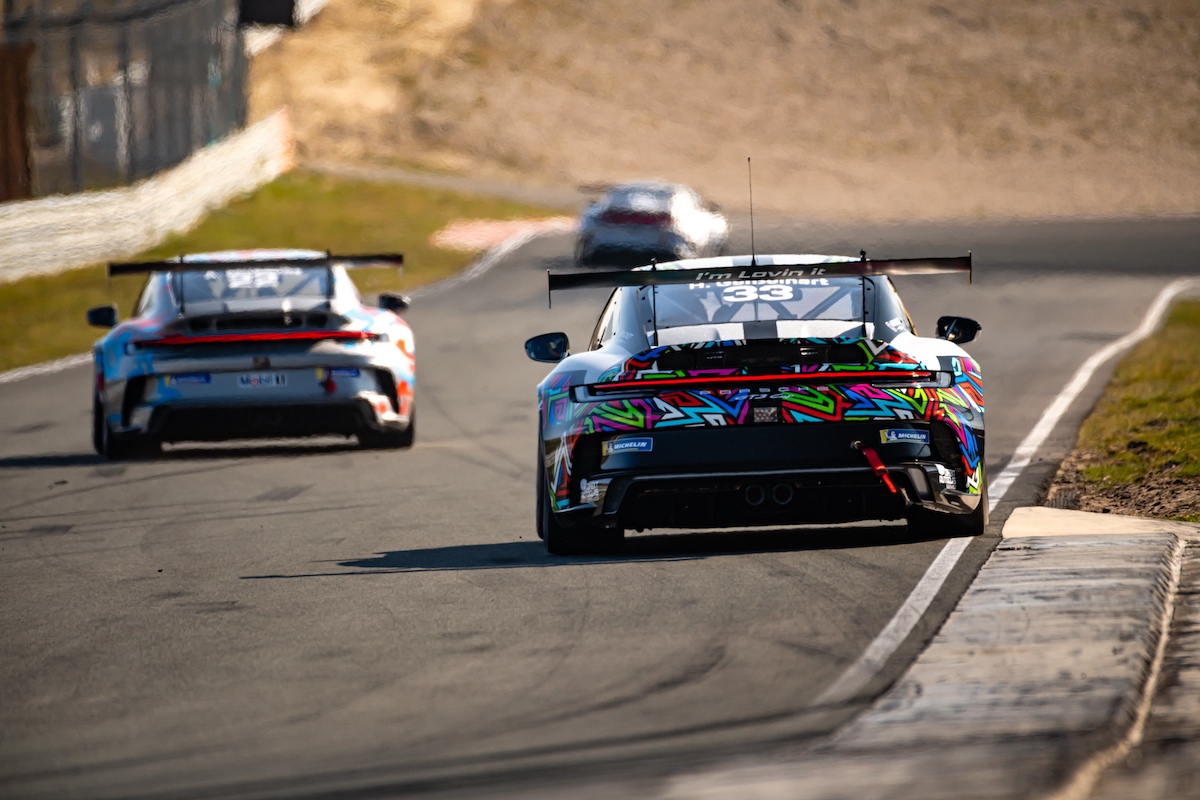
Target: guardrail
[63, 232]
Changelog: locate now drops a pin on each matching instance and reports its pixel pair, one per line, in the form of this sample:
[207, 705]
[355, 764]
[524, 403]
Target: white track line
[45, 368]
[860, 673]
[480, 266]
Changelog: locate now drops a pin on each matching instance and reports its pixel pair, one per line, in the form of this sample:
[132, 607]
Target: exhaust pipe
[782, 494]
[755, 495]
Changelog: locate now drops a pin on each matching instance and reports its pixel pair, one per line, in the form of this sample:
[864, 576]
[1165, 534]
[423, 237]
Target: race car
[252, 344]
[635, 223]
[758, 390]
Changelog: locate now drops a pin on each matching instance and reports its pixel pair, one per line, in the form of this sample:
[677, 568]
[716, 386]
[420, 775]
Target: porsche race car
[749, 391]
[633, 223]
[252, 344]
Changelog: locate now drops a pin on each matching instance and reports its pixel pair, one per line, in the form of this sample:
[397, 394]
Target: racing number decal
[747, 294]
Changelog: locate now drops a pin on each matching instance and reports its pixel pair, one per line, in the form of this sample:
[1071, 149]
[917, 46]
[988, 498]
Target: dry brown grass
[850, 107]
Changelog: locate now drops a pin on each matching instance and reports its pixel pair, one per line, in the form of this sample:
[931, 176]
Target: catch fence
[121, 89]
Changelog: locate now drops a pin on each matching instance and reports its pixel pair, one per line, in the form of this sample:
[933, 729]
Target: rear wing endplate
[179, 265]
[762, 269]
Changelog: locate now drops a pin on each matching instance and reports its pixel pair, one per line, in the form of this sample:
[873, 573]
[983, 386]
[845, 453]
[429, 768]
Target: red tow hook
[876, 465]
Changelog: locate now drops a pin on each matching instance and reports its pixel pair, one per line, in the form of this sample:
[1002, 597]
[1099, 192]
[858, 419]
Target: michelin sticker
[903, 436]
[640, 445]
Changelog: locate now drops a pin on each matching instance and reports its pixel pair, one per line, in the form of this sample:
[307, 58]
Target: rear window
[758, 301]
[640, 199]
[249, 283]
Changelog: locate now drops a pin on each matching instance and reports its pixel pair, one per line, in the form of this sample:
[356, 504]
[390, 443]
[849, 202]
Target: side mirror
[102, 316]
[396, 303]
[550, 347]
[959, 330]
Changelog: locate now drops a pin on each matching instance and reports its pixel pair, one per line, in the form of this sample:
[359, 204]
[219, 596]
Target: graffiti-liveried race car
[765, 390]
[252, 344]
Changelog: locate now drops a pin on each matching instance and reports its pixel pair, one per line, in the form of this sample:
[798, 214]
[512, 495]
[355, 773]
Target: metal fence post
[76, 138]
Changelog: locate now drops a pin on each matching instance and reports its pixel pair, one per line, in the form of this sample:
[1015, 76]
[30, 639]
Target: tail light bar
[907, 378]
[283, 336]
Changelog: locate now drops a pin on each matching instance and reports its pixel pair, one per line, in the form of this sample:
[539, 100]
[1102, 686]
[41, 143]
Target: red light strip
[210, 338]
[791, 377]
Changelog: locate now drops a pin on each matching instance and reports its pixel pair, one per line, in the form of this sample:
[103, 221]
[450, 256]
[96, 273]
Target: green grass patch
[1148, 421]
[42, 317]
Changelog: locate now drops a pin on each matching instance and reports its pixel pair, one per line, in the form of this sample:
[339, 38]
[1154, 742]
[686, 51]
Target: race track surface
[307, 619]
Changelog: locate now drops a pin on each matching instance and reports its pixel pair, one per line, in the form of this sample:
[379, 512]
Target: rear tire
[580, 539]
[119, 446]
[391, 440]
[939, 525]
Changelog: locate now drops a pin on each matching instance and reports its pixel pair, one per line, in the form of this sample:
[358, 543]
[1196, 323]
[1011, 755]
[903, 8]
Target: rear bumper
[212, 405]
[762, 475]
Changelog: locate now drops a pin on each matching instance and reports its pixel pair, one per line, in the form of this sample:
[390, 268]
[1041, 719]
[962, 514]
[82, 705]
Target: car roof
[651, 188]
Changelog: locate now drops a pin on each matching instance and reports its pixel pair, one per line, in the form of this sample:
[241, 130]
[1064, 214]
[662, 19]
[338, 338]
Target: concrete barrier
[53, 234]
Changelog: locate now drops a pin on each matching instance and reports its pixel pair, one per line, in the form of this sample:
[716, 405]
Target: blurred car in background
[636, 223]
[252, 344]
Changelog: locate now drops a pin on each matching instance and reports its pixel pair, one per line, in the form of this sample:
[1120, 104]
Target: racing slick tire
[390, 440]
[574, 541]
[118, 447]
[938, 525]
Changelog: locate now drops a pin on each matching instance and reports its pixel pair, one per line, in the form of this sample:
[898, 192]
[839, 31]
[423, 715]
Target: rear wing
[760, 268]
[179, 265]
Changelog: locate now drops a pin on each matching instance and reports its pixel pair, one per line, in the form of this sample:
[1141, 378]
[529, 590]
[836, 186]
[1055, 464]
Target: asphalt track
[310, 620]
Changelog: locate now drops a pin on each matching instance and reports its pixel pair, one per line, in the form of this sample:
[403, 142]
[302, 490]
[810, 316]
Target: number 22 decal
[746, 294]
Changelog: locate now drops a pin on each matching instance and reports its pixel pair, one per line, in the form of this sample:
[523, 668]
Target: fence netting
[120, 89]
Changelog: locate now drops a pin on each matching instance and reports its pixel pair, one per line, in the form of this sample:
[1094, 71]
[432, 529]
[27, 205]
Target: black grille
[275, 321]
[387, 386]
[765, 357]
[585, 461]
[135, 390]
[946, 449]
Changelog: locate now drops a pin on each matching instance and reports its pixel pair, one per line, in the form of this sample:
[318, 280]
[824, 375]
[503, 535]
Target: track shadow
[50, 461]
[256, 449]
[192, 452]
[657, 547]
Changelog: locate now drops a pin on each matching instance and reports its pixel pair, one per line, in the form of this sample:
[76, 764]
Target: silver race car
[252, 344]
[635, 223]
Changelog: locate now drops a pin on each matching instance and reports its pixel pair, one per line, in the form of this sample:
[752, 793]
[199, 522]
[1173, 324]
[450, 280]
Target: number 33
[745, 294]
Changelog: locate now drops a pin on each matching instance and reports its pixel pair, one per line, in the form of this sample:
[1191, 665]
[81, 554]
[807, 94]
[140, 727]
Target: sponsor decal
[261, 380]
[903, 436]
[188, 377]
[639, 445]
[946, 476]
[337, 372]
[589, 492]
[766, 414]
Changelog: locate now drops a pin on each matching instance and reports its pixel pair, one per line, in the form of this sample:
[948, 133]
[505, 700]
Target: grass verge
[1139, 450]
[42, 317]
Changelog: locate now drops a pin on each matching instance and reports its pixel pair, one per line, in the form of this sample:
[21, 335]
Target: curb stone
[1038, 679]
